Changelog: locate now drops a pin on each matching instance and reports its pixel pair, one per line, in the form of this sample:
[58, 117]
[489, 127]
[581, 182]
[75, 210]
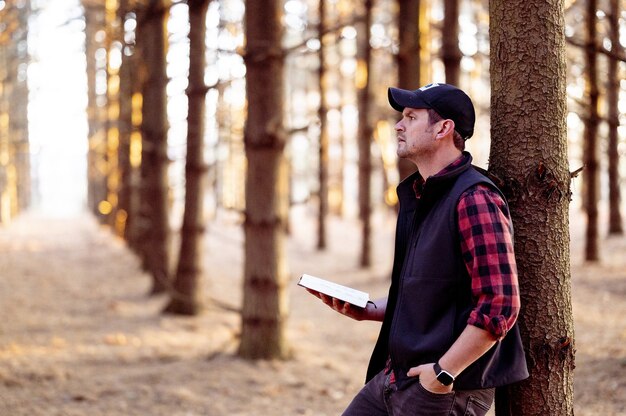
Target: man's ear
[447, 128]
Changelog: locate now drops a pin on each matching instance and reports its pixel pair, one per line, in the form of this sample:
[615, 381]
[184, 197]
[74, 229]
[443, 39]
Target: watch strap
[443, 376]
[437, 368]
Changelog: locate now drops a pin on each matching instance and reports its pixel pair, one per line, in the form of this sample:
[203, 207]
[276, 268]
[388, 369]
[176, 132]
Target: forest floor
[79, 336]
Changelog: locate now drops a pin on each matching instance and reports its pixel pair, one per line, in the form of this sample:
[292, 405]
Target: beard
[415, 151]
[402, 150]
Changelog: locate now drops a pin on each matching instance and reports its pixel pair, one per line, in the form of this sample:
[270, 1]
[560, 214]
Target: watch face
[445, 378]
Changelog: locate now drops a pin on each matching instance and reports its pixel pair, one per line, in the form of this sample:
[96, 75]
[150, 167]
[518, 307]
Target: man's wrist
[444, 377]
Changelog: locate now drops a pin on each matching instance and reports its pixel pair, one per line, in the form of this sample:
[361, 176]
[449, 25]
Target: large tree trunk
[529, 152]
[151, 35]
[322, 114]
[264, 311]
[612, 98]
[450, 51]
[364, 135]
[408, 59]
[590, 139]
[185, 298]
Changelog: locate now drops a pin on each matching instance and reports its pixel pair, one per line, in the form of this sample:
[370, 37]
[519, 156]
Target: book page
[335, 290]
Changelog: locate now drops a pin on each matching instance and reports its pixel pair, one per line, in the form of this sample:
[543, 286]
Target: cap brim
[400, 99]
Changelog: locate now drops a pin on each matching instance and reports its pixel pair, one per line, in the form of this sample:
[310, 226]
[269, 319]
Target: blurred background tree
[15, 178]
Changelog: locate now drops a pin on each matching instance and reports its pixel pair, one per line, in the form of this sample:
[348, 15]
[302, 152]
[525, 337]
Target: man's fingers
[414, 371]
[338, 305]
[346, 308]
[326, 299]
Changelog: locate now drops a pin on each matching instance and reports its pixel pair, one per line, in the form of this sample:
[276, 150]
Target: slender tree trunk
[264, 311]
[323, 141]
[427, 55]
[126, 207]
[450, 51]
[186, 295]
[591, 121]
[529, 153]
[612, 98]
[132, 174]
[5, 200]
[346, 90]
[96, 190]
[90, 49]
[112, 31]
[154, 161]
[9, 134]
[18, 109]
[408, 59]
[4, 132]
[364, 135]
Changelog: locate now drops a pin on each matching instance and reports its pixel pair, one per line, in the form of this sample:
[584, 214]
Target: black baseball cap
[447, 100]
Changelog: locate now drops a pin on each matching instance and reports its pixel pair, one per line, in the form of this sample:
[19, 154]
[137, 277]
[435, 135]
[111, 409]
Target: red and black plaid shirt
[485, 235]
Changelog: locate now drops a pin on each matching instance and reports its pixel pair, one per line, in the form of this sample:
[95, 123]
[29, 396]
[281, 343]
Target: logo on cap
[429, 86]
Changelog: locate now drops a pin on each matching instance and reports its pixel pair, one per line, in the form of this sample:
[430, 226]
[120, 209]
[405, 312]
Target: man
[448, 336]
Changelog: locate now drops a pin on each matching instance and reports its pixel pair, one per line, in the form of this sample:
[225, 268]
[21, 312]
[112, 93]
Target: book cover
[335, 290]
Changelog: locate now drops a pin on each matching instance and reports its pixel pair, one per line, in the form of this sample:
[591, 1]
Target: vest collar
[406, 189]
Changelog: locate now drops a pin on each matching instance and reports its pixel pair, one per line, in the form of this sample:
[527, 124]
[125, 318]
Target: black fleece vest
[430, 295]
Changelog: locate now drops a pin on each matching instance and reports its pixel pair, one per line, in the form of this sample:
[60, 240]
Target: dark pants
[378, 397]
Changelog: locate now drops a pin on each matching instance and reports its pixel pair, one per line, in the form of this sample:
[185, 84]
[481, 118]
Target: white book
[335, 290]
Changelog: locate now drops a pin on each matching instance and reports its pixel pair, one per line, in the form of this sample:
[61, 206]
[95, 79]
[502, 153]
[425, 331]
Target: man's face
[416, 136]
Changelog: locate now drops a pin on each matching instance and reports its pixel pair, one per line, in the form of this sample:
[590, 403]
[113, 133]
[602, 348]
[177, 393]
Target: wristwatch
[443, 376]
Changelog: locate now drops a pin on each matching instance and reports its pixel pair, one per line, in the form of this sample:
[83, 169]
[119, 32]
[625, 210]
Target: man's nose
[399, 126]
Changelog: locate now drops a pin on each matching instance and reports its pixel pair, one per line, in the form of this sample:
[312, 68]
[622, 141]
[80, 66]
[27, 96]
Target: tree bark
[450, 51]
[529, 154]
[186, 299]
[15, 183]
[127, 199]
[155, 231]
[612, 98]
[8, 185]
[18, 108]
[264, 311]
[408, 59]
[590, 140]
[112, 171]
[5, 199]
[364, 135]
[96, 189]
[323, 141]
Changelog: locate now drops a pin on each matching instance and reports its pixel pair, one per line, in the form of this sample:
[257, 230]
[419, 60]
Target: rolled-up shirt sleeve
[486, 235]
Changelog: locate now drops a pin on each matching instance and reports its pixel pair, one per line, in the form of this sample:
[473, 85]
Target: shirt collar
[418, 184]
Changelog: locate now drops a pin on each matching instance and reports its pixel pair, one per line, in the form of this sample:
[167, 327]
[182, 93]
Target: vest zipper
[400, 296]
